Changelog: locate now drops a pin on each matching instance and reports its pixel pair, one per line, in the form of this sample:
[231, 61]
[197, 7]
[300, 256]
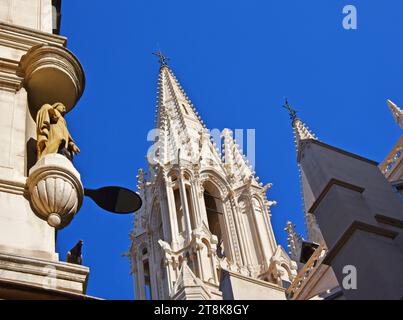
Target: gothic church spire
[397, 113]
[179, 126]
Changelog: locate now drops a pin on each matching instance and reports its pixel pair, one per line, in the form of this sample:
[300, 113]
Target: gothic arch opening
[157, 222]
[189, 199]
[215, 215]
[180, 218]
[144, 262]
[192, 213]
[147, 280]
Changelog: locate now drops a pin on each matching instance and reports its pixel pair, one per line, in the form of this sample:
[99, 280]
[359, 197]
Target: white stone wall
[34, 14]
[27, 241]
[23, 24]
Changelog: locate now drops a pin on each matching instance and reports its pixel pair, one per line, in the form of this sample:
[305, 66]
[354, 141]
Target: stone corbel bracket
[55, 189]
[51, 74]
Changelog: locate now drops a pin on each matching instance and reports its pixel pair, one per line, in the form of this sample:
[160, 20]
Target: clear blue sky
[237, 60]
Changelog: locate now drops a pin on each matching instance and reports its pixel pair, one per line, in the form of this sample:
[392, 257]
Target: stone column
[172, 213]
[196, 203]
[263, 233]
[202, 206]
[169, 271]
[185, 207]
[153, 266]
[269, 228]
[243, 233]
[141, 294]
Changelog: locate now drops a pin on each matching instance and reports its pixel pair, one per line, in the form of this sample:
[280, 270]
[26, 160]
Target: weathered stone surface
[44, 274]
[34, 14]
[239, 287]
[47, 71]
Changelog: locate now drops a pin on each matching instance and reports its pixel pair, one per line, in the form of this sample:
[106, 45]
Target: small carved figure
[52, 133]
[75, 255]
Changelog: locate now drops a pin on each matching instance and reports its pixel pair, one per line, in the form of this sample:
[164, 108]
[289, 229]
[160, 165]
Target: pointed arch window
[146, 274]
[180, 218]
[214, 210]
[215, 215]
[157, 223]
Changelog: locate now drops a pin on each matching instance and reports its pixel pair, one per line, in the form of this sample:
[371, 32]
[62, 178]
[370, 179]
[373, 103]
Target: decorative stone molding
[51, 276]
[214, 177]
[9, 81]
[14, 186]
[22, 38]
[52, 74]
[55, 189]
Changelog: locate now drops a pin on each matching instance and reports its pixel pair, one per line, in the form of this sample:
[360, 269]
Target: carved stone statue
[52, 133]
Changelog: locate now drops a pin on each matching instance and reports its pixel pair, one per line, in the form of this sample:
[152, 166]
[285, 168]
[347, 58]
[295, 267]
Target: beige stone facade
[35, 68]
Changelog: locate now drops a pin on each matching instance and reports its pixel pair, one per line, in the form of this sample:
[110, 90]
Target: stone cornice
[328, 146]
[253, 280]
[21, 38]
[389, 221]
[67, 271]
[328, 187]
[31, 291]
[15, 186]
[355, 226]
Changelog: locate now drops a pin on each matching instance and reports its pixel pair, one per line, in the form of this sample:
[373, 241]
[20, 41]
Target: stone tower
[359, 215]
[315, 280]
[392, 165]
[36, 197]
[204, 230]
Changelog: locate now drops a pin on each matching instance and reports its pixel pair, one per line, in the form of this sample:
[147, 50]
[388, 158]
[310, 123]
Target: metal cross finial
[292, 112]
[162, 59]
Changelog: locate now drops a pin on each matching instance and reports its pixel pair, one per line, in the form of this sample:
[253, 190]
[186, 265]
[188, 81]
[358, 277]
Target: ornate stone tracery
[203, 204]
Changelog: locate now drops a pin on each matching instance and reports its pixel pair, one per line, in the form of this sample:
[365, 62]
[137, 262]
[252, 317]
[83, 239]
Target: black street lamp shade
[115, 199]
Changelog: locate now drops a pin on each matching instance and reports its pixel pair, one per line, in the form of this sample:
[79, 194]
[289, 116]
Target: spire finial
[292, 112]
[162, 58]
